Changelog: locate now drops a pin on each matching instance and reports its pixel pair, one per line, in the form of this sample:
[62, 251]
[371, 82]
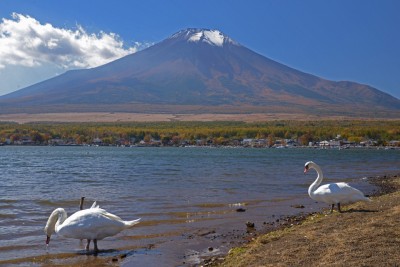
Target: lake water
[186, 197]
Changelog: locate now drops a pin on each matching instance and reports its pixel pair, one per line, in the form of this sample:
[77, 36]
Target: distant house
[254, 142]
[56, 142]
[26, 140]
[155, 142]
[97, 141]
[201, 142]
[368, 143]
[142, 142]
[291, 143]
[247, 141]
[334, 143]
[394, 143]
[133, 140]
[122, 142]
[324, 143]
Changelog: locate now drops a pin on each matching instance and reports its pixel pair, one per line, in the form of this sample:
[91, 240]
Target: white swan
[91, 224]
[336, 193]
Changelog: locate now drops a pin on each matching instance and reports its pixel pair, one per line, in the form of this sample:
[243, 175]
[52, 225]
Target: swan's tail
[367, 199]
[132, 223]
[94, 205]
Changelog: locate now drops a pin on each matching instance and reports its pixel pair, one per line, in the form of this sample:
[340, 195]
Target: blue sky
[357, 40]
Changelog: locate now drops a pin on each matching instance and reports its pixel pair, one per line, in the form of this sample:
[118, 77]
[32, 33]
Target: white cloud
[31, 52]
[24, 41]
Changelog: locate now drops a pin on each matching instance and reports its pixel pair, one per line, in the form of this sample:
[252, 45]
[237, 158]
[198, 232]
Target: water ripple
[174, 190]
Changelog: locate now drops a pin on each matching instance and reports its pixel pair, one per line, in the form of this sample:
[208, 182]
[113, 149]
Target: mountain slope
[197, 67]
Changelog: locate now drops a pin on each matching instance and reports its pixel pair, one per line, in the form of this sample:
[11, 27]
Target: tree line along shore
[229, 133]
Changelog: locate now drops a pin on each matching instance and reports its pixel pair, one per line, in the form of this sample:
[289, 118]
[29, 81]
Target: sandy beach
[365, 234]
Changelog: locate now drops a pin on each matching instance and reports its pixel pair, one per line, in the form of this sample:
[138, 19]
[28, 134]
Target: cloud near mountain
[32, 51]
[25, 41]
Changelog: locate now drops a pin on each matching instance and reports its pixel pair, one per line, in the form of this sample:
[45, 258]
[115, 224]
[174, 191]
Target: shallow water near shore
[187, 197]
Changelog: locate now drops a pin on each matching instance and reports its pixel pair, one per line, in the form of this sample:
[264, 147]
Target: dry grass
[153, 117]
[366, 234]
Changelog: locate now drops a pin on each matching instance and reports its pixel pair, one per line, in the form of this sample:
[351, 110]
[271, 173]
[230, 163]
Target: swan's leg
[333, 205]
[338, 207]
[96, 249]
[87, 245]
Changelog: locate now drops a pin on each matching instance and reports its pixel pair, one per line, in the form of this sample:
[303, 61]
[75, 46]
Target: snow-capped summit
[211, 37]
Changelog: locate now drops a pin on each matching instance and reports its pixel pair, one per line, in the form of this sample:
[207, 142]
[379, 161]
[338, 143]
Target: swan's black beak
[47, 240]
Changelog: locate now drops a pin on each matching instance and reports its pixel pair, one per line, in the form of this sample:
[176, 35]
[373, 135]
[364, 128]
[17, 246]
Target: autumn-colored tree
[305, 139]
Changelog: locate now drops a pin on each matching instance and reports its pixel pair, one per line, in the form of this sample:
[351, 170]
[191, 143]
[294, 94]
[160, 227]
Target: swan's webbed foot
[87, 245]
[96, 249]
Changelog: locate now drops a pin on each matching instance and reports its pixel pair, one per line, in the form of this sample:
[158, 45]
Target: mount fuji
[198, 70]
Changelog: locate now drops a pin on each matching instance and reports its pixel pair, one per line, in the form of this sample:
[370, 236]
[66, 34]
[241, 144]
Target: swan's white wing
[338, 193]
[104, 224]
[94, 223]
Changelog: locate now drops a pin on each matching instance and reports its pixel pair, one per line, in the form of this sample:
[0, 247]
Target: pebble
[250, 224]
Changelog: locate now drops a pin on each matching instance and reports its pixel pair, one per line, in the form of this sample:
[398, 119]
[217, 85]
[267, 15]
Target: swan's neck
[57, 217]
[62, 216]
[317, 181]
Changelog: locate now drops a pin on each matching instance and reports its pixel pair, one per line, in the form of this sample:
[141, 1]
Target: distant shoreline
[203, 130]
[220, 146]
